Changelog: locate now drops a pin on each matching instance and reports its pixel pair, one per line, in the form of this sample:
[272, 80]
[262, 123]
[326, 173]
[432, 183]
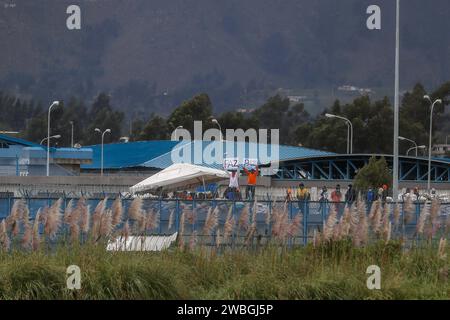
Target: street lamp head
[108, 130]
[401, 138]
[56, 136]
[439, 101]
[214, 121]
[98, 130]
[422, 147]
[427, 97]
[55, 103]
[329, 115]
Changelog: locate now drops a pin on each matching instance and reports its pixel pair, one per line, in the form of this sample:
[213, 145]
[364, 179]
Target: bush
[373, 175]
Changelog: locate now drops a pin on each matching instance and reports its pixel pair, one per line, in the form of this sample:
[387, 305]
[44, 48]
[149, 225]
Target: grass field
[329, 271]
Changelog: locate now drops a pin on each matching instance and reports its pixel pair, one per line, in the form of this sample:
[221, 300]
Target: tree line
[372, 121]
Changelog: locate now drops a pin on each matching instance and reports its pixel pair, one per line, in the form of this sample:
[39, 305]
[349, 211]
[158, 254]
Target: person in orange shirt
[252, 174]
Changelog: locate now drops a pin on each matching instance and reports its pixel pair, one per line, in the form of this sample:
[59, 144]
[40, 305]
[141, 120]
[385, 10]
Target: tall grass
[34, 256]
[329, 271]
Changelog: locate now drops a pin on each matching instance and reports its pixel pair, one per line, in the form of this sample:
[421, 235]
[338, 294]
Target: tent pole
[204, 186]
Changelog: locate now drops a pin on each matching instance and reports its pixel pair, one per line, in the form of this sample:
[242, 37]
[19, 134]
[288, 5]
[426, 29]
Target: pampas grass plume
[117, 212]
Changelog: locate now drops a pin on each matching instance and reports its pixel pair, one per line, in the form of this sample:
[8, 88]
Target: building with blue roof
[292, 163]
[19, 157]
[143, 158]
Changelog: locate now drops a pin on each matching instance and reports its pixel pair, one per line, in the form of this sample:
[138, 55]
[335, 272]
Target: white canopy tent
[180, 175]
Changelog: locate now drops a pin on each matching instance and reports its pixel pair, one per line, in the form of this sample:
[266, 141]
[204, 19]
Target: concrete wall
[113, 184]
[74, 185]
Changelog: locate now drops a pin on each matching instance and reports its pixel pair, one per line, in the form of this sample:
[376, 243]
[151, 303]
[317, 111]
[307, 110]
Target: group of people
[233, 191]
[303, 194]
[416, 195]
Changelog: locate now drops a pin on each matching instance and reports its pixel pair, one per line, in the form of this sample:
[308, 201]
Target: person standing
[370, 197]
[350, 195]
[336, 198]
[417, 193]
[303, 197]
[302, 193]
[385, 192]
[323, 199]
[380, 193]
[234, 183]
[288, 194]
[252, 175]
[336, 195]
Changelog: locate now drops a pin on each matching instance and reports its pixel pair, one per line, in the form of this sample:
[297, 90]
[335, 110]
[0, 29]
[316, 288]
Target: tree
[278, 113]
[36, 129]
[373, 175]
[103, 116]
[372, 127]
[136, 129]
[199, 108]
[155, 129]
[237, 120]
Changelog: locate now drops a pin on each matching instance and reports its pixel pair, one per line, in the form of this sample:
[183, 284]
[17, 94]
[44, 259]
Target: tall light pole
[56, 136]
[417, 148]
[179, 127]
[71, 136]
[103, 136]
[396, 104]
[427, 97]
[55, 103]
[412, 141]
[349, 131]
[220, 128]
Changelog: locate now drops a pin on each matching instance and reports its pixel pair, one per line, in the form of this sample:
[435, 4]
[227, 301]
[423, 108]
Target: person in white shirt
[233, 192]
[234, 179]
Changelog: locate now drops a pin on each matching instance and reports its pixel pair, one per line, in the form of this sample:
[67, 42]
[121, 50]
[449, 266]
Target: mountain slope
[150, 55]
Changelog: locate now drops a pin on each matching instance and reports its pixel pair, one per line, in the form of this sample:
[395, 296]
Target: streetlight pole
[71, 136]
[412, 141]
[427, 97]
[55, 103]
[416, 148]
[57, 136]
[179, 127]
[220, 128]
[396, 104]
[103, 136]
[349, 131]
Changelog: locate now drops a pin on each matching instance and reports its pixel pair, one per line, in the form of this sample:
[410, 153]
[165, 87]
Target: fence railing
[312, 217]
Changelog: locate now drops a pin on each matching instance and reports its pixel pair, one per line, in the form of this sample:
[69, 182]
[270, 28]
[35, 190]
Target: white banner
[231, 164]
[250, 162]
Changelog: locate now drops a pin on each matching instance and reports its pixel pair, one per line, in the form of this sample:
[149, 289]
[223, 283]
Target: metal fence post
[290, 220]
[305, 223]
[160, 216]
[177, 217]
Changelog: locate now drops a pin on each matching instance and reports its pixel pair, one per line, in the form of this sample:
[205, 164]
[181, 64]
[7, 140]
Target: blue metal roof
[264, 152]
[22, 142]
[128, 155]
[59, 153]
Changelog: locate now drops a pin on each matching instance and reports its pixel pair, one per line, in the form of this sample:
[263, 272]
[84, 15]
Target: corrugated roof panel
[127, 155]
[14, 140]
[233, 149]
